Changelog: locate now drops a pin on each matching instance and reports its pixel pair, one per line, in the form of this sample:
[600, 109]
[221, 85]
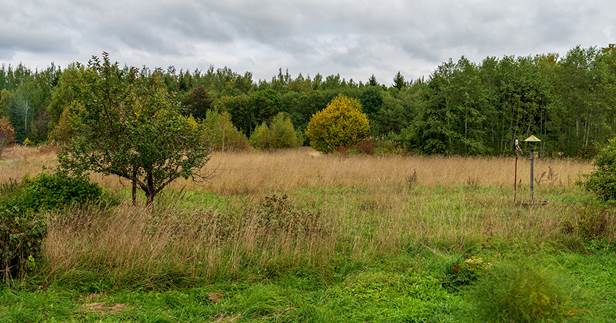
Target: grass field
[296, 236]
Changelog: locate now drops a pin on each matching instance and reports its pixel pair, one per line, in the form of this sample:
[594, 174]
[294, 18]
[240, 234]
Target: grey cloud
[353, 38]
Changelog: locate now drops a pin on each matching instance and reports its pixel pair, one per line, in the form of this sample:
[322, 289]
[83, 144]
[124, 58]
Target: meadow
[294, 235]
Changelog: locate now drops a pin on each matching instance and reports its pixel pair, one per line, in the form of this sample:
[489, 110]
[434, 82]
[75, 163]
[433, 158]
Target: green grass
[405, 285]
[401, 289]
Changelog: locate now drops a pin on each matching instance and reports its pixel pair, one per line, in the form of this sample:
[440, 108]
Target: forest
[462, 108]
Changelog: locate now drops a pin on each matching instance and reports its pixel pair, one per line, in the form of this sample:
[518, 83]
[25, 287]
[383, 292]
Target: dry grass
[144, 247]
[255, 172]
[287, 170]
[360, 206]
[127, 242]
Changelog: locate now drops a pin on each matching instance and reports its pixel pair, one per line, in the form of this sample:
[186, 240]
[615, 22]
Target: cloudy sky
[355, 38]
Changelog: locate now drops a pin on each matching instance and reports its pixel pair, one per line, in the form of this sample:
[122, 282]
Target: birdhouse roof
[532, 138]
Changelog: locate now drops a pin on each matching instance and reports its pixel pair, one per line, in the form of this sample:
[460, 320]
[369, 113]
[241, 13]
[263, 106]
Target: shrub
[602, 181]
[282, 132]
[54, 191]
[222, 134]
[260, 138]
[519, 293]
[7, 133]
[22, 229]
[341, 124]
[279, 134]
[464, 272]
[21, 236]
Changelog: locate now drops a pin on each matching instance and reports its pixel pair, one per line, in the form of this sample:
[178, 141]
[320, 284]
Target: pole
[515, 179]
[532, 174]
[518, 151]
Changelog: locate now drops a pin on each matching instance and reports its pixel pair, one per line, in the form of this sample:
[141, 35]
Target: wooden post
[532, 175]
[532, 141]
[518, 150]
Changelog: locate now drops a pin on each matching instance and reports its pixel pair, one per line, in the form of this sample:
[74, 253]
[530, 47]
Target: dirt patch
[104, 308]
[223, 318]
[215, 297]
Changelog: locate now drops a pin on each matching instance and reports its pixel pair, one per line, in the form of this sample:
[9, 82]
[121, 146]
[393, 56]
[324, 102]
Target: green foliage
[221, 134]
[22, 228]
[341, 124]
[454, 121]
[197, 103]
[28, 142]
[520, 293]
[464, 107]
[260, 137]
[21, 236]
[383, 296]
[602, 181]
[279, 134]
[371, 100]
[128, 124]
[282, 132]
[399, 81]
[62, 97]
[28, 101]
[464, 272]
[55, 191]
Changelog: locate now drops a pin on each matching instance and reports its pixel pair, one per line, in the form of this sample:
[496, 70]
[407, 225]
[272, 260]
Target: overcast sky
[354, 38]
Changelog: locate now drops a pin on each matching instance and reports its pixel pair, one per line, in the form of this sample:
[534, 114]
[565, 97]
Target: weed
[517, 292]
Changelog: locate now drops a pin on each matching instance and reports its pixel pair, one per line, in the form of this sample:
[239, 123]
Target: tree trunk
[150, 199]
[134, 188]
[150, 190]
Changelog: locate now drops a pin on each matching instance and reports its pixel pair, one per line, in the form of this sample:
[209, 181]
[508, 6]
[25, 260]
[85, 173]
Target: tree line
[462, 108]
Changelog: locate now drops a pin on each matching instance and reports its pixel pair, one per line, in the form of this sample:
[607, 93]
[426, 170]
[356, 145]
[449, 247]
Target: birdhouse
[532, 139]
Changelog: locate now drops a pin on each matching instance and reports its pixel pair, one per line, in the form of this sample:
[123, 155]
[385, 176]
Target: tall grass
[138, 246]
[251, 172]
[352, 208]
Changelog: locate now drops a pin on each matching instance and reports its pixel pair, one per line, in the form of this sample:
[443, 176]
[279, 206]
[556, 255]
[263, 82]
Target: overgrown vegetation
[519, 293]
[360, 243]
[602, 181]
[23, 226]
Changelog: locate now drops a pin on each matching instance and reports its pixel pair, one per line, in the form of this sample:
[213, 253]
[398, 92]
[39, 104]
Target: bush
[7, 133]
[279, 134]
[260, 138]
[21, 236]
[55, 191]
[519, 293]
[341, 124]
[463, 272]
[22, 229]
[222, 134]
[602, 181]
[282, 132]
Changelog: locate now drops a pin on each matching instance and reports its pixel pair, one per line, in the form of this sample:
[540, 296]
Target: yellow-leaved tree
[341, 124]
